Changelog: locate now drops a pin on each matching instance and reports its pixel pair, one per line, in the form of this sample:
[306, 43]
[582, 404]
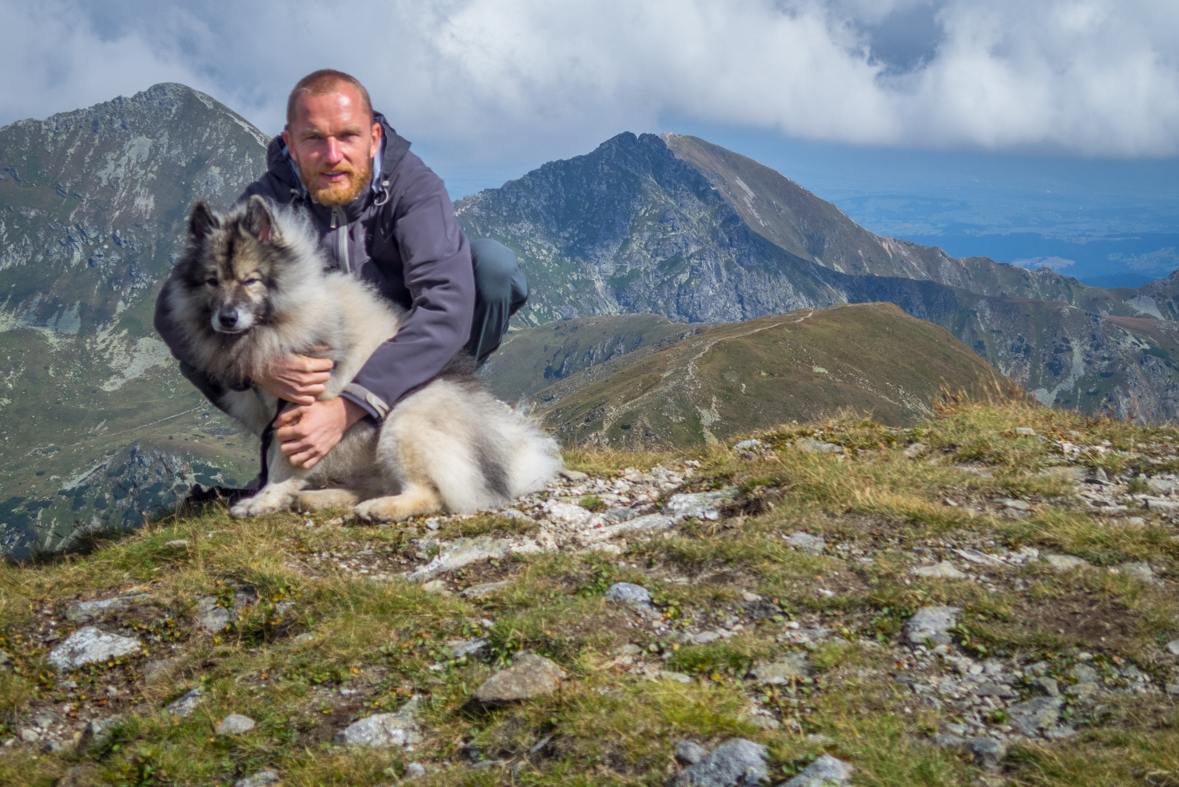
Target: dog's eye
[252, 280]
[211, 282]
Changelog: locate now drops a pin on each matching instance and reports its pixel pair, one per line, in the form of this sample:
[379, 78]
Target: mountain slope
[736, 378]
[682, 228]
[99, 425]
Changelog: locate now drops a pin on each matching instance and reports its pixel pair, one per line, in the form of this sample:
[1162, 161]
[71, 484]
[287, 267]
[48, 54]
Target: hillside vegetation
[984, 598]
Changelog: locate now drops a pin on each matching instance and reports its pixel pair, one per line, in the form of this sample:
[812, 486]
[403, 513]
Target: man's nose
[334, 153]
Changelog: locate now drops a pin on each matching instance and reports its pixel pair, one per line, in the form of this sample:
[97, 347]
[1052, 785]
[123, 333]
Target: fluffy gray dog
[251, 287]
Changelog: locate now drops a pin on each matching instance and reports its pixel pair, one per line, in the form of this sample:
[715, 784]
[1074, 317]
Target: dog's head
[235, 263]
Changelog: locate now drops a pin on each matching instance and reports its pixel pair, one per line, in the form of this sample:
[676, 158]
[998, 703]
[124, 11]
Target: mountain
[732, 379]
[679, 227]
[98, 426]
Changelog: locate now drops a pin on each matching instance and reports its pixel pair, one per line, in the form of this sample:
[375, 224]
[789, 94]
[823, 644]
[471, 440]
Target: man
[384, 216]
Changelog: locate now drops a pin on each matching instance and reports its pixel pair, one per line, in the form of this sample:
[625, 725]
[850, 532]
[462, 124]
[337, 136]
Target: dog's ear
[259, 221]
[202, 220]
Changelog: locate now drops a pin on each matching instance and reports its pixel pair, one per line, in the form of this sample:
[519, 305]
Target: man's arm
[437, 269]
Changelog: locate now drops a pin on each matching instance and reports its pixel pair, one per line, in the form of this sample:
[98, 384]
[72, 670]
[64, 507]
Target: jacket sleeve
[436, 261]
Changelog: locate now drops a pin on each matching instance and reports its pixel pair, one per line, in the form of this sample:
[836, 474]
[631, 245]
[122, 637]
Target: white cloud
[527, 79]
[1052, 263]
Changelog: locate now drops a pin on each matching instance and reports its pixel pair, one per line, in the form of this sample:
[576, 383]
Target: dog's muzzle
[231, 321]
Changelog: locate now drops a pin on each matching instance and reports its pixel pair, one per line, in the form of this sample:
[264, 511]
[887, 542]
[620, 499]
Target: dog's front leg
[281, 490]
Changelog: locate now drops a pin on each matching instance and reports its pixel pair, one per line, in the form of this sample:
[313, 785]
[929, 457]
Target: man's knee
[498, 276]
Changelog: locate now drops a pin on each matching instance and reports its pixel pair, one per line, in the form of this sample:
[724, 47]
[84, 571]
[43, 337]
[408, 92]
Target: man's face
[332, 140]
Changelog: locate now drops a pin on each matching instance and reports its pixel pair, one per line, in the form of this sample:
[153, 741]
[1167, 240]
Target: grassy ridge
[350, 646]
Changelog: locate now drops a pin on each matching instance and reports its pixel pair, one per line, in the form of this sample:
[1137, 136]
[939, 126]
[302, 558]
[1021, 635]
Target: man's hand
[297, 378]
[306, 433]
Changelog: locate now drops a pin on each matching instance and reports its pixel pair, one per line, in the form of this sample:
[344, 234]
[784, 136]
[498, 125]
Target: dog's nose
[227, 319]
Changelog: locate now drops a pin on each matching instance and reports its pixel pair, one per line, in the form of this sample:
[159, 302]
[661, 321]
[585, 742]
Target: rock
[184, 707]
[1162, 486]
[212, 617]
[180, 545]
[159, 668]
[467, 647]
[85, 611]
[988, 753]
[1060, 733]
[943, 570]
[1025, 431]
[1142, 571]
[916, 450]
[529, 676]
[415, 770]
[647, 522]
[826, 771]
[96, 733]
[29, 735]
[384, 730]
[90, 646]
[436, 586]
[688, 753]
[259, 779]
[235, 724]
[794, 665]
[812, 545]
[631, 595]
[462, 552]
[931, 623]
[1047, 685]
[1084, 673]
[53, 746]
[1173, 647]
[484, 590]
[1065, 562]
[576, 476]
[1015, 504]
[734, 762]
[750, 449]
[701, 505]
[810, 445]
[678, 677]
[1034, 715]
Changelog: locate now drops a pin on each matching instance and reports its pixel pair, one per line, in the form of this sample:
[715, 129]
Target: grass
[348, 646]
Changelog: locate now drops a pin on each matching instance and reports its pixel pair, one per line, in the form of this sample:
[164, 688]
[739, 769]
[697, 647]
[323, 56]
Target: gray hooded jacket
[401, 236]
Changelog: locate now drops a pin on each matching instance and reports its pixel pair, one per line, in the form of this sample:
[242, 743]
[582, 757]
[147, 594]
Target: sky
[852, 93]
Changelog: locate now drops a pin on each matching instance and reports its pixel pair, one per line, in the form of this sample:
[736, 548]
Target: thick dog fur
[251, 288]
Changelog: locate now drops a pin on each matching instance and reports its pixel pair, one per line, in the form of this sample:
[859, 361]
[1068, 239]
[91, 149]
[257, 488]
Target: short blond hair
[326, 80]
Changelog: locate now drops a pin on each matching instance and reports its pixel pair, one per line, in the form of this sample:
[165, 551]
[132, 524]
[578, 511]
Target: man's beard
[343, 193]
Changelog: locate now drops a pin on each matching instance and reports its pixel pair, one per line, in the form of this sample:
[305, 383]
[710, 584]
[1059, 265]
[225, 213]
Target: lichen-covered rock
[384, 730]
[931, 623]
[235, 724]
[826, 771]
[89, 645]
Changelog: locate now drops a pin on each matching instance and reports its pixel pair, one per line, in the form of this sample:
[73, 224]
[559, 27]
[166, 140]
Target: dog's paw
[257, 506]
[397, 507]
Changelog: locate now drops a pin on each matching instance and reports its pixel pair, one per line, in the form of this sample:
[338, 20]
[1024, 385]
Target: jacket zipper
[340, 223]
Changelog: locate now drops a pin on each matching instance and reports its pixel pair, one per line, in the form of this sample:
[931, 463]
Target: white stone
[943, 570]
[385, 729]
[89, 646]
[235, 724]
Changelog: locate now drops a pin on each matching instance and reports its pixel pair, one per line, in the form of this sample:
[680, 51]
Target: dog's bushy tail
[474, 450]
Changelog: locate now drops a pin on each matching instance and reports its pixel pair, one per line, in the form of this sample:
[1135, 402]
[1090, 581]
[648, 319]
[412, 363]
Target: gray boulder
[631, 595]
[794, 665]
[688, 753]
[85, 611]
[89, 646]
[1036, 714]
[384, 730]
[734, 762]
[529, 676]
[235, 724]
[931, 623]
[259, 779]
[823, 772]
[184, 707]
[812, 545]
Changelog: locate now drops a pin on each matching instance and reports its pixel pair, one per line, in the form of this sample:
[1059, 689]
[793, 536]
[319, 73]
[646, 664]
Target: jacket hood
[279, 164]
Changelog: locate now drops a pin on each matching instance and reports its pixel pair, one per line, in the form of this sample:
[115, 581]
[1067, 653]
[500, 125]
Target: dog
[251, 287]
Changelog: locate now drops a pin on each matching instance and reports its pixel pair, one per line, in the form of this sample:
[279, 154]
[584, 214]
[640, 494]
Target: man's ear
[259, 221]
[202, 221]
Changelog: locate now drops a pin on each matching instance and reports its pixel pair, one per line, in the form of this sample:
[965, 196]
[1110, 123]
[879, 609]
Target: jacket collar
[393, 150]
